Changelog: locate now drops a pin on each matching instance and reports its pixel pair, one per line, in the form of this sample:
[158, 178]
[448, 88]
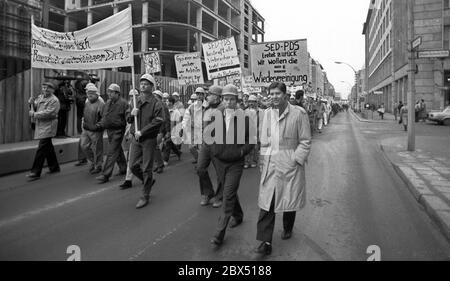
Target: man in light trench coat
[285, 146]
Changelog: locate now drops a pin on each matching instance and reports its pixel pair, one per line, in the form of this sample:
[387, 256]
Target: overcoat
[283, 159]
[46, 116]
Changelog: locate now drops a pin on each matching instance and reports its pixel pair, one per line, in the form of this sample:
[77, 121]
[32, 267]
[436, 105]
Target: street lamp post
[356, 82]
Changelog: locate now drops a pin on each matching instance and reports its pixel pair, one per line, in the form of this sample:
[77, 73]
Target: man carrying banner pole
[147, 115]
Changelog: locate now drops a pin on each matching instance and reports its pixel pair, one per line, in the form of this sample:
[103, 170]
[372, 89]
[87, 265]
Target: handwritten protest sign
[221, 58]
[106, 44]
[152, 63]
[189, 68]
[247, 88]
[283, 61]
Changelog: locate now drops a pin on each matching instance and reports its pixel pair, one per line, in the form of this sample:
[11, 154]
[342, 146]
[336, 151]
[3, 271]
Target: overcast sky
[333, 29]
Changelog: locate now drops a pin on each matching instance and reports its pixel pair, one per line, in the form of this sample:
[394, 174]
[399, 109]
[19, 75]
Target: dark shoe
[126, 185]
[216, 241]
[81, 163]
[54, 171]
[234, 222]
[160, 170]
[205, 200]
[286, 234]
[102, 179]
[217, 204]
[264, 249]
[142, 203]
[194, 162]
[33, 177]
[96, 170]
[179, 155]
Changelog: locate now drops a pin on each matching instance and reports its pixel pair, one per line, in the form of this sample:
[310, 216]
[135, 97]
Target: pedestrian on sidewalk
[404, 116]
[150, 117]
[44, 111]
[66, 95]
[92, 136]
[395, 111]
[230, 160]
[399, 108]
[80, 102]
[114, 122]
[417, 111]
[205, 155]
[381, 111]
[283, 185]
[423, 111]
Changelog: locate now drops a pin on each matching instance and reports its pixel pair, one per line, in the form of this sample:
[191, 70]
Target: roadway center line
[160, 238]
[51, 207]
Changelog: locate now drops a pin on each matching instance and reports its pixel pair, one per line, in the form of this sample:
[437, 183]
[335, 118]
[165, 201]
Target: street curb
[429, 202]
[359, 118]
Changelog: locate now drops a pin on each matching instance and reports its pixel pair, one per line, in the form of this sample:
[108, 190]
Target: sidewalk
[375, 118]
[425, 171]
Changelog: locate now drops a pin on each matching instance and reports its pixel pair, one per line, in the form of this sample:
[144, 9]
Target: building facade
[387, 52]
[164, 26]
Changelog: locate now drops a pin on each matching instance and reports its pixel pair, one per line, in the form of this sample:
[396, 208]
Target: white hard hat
[175, 94]
[194, 97]
[149, 78]
[114, 87]
[90, 87]
[158, 92]
[200, 90]
[166, 95]
[252, 98]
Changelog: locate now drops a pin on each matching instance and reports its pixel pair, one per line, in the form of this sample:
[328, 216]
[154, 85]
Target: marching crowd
[153, 125]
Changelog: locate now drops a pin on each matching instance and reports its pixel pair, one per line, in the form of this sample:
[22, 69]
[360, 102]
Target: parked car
[441, 117]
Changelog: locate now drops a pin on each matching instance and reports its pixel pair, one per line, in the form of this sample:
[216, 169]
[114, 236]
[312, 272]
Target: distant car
[441, 117]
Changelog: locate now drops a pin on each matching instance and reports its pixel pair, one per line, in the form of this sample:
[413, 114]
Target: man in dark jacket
[65, 94]
[164, 132]
[150, 117]
[114, 121]
[230, 160]
[92, 136]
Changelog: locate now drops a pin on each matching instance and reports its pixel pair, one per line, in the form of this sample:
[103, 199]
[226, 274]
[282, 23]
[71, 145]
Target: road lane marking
[51, 207]
[161, 237]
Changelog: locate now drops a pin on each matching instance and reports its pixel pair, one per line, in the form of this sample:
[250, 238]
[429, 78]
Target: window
[246, 24]
[447, 37]
[246, 43]
[446, 4]
[245, 60]
[246, 9]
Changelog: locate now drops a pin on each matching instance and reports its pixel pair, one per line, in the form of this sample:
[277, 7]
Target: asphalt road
[355, 200]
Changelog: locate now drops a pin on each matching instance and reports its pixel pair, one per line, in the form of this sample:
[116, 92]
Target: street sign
[433, 54]
[416, 43]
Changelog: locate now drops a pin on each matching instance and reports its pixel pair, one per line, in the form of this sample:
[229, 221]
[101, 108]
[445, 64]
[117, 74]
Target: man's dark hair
[299, 94]
[171, 100]
[278, 85]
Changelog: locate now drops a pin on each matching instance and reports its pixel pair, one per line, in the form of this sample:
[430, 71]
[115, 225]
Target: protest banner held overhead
[152, 63]
[221, 58]
[106, 44]
[189, 68]
[282, 61]
[247, 88]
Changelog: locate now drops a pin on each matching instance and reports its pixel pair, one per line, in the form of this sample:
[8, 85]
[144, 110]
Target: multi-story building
[386, 35]
[165, 26]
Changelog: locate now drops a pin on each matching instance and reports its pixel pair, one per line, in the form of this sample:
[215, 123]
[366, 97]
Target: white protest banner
[189, 68]
[106, 44]
[283, 61]
[221, 58]
[152, 63]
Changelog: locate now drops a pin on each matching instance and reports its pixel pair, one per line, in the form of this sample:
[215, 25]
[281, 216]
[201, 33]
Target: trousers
[266, 223]
[204, 159]
[45, 151]
[230, 174]
[92, 145]
[142, 156]
[114, 153]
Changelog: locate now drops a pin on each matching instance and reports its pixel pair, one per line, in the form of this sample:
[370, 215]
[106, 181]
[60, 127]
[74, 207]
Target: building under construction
[164, 26]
